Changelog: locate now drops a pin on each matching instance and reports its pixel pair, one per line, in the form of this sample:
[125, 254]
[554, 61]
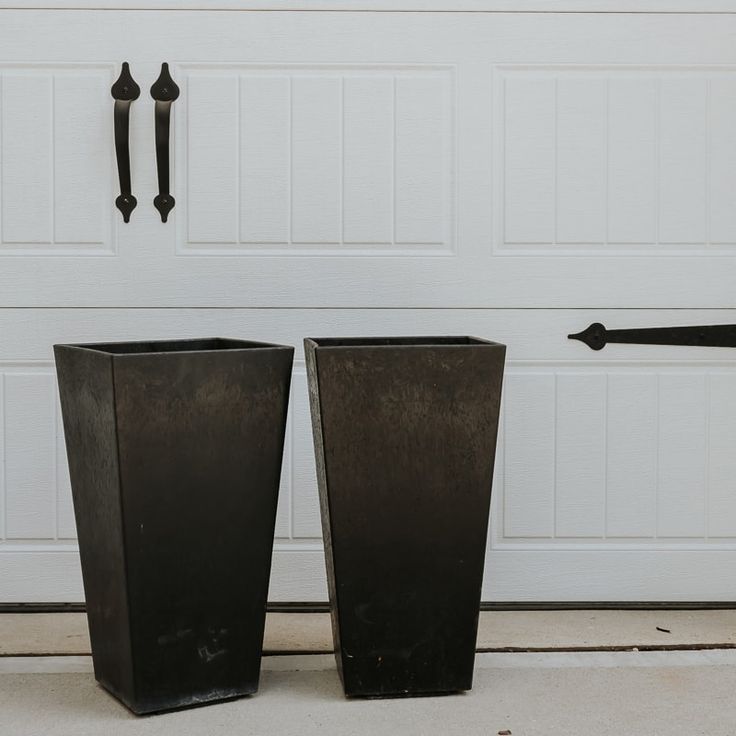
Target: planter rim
[174, 346]
[400, 341]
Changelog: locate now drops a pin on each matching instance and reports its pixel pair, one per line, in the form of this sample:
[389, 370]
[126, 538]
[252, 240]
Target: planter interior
[405, 435]
[175, 452]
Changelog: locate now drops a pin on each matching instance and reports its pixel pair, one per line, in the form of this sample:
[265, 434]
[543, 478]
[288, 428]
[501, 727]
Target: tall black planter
[405, 437]
[175, 456]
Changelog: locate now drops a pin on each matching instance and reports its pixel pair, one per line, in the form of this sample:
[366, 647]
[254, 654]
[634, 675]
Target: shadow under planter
[405, 437]
[175, 453]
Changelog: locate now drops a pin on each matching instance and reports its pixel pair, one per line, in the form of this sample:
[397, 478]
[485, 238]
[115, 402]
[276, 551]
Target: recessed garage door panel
[373, 160]
[615, 475]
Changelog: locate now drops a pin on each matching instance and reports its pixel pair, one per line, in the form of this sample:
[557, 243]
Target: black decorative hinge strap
[717, 336]
[124, 91]
[164, 91]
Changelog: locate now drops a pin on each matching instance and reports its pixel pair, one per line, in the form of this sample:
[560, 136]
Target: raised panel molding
[38, 545]
[35, 492]
[32, 489]
[56, 160]
[38, 549]
[615, 160]
[616, 456]
[604, 454]
[314, 160]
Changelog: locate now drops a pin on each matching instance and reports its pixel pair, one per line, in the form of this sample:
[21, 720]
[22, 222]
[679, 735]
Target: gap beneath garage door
[65, 634]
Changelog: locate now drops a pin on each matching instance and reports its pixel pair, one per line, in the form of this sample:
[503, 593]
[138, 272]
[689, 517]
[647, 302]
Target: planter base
[168, 705]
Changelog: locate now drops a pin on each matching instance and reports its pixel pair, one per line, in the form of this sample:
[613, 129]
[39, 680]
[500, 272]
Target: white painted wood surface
[503, 174]
[615, 470]
[392, 6]
[509, 160]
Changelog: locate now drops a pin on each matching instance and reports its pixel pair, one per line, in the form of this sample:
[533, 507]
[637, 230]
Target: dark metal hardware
[124, 91]
[717, 336]
[164, 91]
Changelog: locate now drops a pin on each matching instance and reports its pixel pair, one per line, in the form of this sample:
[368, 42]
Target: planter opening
[174, 346]
[368, 342]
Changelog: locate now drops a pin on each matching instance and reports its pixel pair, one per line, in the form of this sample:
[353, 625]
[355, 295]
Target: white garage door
[511, 175]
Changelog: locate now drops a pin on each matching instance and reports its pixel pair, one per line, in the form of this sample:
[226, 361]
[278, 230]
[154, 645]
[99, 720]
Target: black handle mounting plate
[164, 91]
[124, 91]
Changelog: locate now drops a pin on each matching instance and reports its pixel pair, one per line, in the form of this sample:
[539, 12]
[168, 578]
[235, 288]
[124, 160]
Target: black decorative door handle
[717, 336]
[124, 91]
[164, 91]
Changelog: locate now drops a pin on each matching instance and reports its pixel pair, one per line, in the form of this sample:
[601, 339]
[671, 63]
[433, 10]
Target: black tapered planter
[405, 437]
[175, 457]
